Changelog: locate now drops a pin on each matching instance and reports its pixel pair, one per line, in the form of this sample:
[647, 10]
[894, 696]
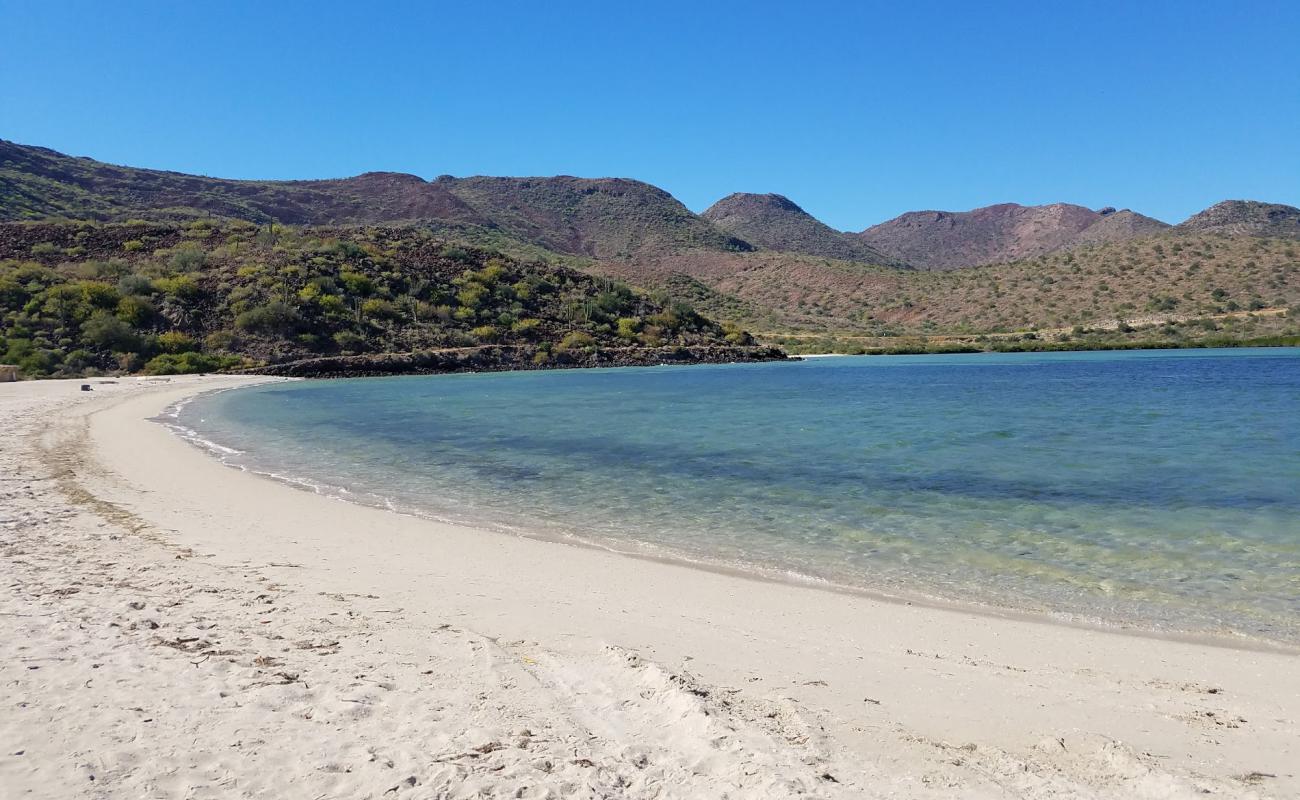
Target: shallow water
[1155, 488]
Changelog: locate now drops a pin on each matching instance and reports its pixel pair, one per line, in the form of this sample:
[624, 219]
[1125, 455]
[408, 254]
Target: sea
[1147, 490]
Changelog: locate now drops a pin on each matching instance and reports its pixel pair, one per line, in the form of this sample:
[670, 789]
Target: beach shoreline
[902, 596]
[581, 634]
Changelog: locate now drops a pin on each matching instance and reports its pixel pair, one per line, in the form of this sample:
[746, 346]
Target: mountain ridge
[1000, 233]
[605, 219]
[775, 222]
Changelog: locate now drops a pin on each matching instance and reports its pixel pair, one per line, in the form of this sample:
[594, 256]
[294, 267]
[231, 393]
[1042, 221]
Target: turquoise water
[1159, 489]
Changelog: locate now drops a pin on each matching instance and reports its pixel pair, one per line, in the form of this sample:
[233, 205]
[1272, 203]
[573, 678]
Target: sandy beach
[173, 627]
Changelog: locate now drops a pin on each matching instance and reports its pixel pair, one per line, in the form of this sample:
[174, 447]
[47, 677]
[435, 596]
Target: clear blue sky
[857, 111]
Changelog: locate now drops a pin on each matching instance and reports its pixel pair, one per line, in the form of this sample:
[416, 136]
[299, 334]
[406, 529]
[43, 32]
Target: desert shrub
[16, 349]
[220, 340]
[38, 362]
[526, 327]
[187, 258]
[107, 332]
[274, 317]
[350, 342]
[181, 363]
[471, 296]
[349, 251]
[484, 333]
[175, 342]
[79, 359]
[331, 304]
[376, 308]
[616, 300]
[577, 340]
[354, 283]
[136, 311]
[628, 327]
[183, 287]
[735, 335]
[457, 254]
[652, 336]
[135, 284]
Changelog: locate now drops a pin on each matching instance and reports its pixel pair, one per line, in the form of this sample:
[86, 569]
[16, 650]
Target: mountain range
[759, 259]
[601, 218]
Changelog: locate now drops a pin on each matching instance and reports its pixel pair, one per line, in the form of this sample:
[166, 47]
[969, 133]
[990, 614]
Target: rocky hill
[755, 260]
[1000, 233]
[598, 218]
[1190, 278]
[163, 297]
[1245, 217]
[36, 183]
[774, 222]
[1118, 226]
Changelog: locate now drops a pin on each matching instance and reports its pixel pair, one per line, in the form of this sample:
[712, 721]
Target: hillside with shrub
[1174, 277]
[578, 217]
[775, 222]
[160, 298]
[757, 261]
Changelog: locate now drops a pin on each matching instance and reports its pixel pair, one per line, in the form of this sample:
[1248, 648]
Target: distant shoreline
[1229, 344]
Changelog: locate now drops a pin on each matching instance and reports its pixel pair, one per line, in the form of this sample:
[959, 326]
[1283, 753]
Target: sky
[858, 111]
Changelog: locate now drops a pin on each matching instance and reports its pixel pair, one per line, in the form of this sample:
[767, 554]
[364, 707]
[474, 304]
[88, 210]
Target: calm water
[1153, 488]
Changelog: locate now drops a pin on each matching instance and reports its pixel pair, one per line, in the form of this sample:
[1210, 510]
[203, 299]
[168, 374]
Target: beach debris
[85, 387]
[186, 644]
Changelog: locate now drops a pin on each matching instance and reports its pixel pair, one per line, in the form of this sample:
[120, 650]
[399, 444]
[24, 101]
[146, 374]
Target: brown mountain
[596, 217]
[1118, 226]
[601, 218]
[1248, 217]
[38, 183]
[759, 259]
[999, 233]
[776, 223]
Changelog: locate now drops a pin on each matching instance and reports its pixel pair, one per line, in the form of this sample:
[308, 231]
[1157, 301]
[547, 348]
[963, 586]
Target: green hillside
[88, 298]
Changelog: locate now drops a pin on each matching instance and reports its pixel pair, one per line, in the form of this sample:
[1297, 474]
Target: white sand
[171, 627]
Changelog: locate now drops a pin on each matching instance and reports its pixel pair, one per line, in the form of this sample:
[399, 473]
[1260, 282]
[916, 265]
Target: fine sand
[172, 627]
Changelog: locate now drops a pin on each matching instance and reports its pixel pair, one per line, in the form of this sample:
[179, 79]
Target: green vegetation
[1245, 329]
[1175, 278]
[207, 259]
[205, 295]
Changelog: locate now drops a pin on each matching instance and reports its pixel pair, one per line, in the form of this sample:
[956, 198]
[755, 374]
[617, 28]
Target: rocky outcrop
[503, 358]
[1245, 217]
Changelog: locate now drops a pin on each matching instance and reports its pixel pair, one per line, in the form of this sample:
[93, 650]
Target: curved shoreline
[885, 697]
[1125, 627]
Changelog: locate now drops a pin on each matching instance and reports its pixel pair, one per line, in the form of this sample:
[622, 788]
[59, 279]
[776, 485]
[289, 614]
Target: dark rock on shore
[511, 357]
